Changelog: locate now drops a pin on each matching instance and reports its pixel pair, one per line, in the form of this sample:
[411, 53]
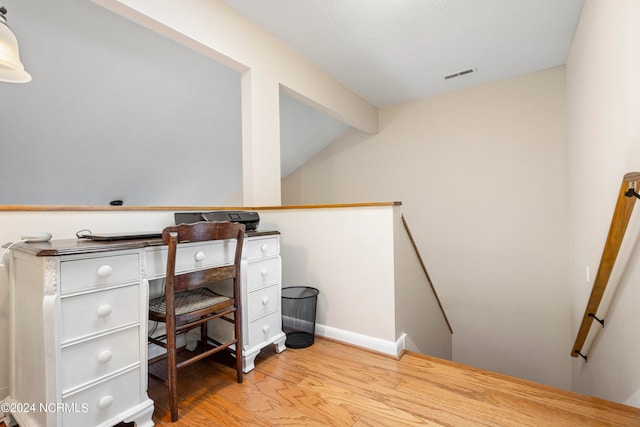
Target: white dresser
[79, 324]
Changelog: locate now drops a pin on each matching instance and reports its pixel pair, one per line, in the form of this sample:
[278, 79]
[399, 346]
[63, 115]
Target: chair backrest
[201, 232]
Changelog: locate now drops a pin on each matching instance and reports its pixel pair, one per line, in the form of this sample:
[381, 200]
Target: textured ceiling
[391, 51]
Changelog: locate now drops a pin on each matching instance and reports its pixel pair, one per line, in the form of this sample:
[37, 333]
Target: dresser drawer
[98, 311]
[94, 272]
[95, 358]
[190, 257]
[262, 248]
[97, 404]
[264, 328]
[263, 273]
[263, 302]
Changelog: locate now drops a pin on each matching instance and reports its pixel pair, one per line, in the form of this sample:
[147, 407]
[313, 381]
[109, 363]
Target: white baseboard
[634, 400]
[391, 348]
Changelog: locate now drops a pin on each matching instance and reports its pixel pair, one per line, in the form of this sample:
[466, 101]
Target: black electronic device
[250, 219]
[127, 235]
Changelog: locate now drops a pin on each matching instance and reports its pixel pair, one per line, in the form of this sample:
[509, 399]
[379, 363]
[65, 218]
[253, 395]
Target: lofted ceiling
[391, 51]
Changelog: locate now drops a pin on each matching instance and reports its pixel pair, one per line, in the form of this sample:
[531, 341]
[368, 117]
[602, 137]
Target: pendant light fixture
[11, 69]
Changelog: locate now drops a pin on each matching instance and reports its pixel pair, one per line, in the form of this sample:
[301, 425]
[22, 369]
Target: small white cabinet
[78, 314]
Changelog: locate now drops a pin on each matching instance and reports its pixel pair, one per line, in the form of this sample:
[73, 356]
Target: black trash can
[299, 315]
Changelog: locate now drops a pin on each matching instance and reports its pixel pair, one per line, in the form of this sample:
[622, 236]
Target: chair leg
[172, 371]
[238, 331]
[203, 337]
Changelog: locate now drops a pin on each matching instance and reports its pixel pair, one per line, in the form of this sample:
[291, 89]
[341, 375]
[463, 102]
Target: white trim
[401, 345]
[392, 348]
[634, 400]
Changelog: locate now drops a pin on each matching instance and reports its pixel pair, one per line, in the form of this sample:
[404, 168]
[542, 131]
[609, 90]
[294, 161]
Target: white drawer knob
[105, 356]
[264, 247]
[199, 256]
[104, 310]
[265, 300]
[105, 271]
[105, 402]
[264, 272]
[265, 328]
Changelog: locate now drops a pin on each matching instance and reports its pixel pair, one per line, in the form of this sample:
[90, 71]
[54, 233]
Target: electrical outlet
[587, 274]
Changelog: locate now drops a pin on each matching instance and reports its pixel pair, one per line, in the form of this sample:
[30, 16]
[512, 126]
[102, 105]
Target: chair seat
[193, 300]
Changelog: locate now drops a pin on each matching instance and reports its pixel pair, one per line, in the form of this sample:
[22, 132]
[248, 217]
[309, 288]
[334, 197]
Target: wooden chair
[189, 303]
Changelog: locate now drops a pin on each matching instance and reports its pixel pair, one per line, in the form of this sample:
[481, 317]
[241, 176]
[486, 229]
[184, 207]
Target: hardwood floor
[331, 384]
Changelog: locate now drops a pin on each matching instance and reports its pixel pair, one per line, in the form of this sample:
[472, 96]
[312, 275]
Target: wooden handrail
[424, 269]
[619, 222]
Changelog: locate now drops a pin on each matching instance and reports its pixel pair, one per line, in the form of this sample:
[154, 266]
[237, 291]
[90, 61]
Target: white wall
[604, 144]
[136, 104]
[482, 177]
[348, 255]
[351, 255]
[266, 65]
[418, 313]
[111, 108]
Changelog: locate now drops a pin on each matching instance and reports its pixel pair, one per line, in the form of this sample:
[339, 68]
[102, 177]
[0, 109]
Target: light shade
[11, 69]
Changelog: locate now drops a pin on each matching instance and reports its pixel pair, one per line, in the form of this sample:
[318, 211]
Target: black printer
[250, 219]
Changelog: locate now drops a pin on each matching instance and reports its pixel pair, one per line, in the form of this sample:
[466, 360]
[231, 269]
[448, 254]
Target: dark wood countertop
[85, 246]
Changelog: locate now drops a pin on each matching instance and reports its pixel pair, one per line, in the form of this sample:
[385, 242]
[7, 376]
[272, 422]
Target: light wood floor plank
[285, 402]
[332, 384]
[363, 404]
[523, 391]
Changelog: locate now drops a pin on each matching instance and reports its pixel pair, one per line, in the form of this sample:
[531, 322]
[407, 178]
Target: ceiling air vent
[459, 73]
